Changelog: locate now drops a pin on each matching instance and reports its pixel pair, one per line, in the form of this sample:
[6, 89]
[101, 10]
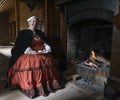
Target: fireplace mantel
[77, 10]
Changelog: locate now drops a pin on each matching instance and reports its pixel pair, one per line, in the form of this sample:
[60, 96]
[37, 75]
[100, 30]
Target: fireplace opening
[90, 42]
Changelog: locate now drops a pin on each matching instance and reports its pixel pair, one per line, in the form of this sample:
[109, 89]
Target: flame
[92, 56]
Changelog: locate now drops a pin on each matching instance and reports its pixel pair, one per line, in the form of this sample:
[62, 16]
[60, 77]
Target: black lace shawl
[23, 41]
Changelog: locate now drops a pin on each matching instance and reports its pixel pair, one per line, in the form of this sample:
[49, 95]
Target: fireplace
[90, 30]
[89, 44]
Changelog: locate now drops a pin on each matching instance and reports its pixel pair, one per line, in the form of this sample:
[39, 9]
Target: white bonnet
[32, 17]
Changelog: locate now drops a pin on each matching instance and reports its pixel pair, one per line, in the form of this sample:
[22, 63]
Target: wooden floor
[3, 66]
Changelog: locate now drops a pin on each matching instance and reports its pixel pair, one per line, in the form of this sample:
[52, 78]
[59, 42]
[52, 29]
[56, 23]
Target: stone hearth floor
[74, 90]
[92, 90]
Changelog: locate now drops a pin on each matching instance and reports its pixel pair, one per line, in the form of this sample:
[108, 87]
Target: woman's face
[33, 23]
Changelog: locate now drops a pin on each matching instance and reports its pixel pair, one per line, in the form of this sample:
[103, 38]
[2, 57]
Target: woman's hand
[30, 51]
[46, 50]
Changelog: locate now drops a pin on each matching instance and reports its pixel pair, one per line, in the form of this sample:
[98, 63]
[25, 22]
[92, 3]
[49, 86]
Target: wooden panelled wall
[12, 25]
[53, 27]
[115, 54]
[4, 33]
[24, 13]
[56, 31]
[18, 15]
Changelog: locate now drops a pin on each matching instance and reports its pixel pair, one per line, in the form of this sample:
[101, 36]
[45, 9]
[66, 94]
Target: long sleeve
[23, 41]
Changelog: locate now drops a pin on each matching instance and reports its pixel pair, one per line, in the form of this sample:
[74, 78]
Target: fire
[92, 55]
[93, 61]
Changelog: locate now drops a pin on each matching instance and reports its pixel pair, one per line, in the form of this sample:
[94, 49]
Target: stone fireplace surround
[87, 35]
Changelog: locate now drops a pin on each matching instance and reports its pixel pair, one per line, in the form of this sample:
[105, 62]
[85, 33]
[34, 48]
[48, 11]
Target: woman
[32, 65]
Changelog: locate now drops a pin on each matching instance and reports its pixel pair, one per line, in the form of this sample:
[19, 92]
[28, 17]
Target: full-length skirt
[34, 74]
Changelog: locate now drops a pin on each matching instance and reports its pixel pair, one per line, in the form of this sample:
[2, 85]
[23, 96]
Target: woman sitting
[31, 66]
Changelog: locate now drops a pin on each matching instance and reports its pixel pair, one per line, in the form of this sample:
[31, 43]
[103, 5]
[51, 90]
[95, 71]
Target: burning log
[93, 61]
[89, 63]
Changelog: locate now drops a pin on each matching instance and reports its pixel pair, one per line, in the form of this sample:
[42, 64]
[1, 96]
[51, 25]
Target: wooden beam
[17, 15]
[46, 17]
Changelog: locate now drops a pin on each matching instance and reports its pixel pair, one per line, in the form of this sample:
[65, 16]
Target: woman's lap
[34, 72]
